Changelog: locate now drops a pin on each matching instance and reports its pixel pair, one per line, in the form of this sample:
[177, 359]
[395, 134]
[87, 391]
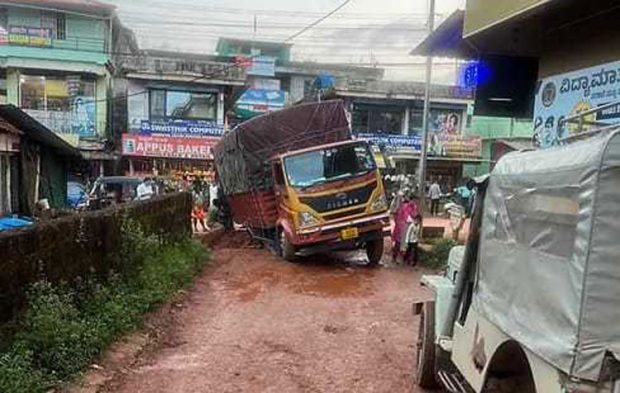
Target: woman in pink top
[406, 212]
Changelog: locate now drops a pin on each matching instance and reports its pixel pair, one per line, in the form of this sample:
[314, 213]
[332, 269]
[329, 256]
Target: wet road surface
[254, 323]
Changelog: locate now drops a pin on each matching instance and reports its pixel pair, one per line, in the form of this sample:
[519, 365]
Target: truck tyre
[374, 251]
[426, 350]
[286, 248]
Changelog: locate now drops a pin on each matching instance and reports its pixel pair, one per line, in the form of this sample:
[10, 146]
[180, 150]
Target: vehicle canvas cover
[242, 155]
[549, 262]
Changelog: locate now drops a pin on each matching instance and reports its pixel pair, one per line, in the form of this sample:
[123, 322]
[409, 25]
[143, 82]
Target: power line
[316, 22]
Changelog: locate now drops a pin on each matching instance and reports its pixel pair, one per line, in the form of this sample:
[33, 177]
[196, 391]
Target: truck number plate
[349, 233]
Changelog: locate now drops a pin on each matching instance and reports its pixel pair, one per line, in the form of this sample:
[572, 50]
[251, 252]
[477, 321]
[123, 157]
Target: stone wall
[80, 245]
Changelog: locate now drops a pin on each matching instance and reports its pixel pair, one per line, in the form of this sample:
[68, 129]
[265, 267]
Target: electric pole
[426, 113]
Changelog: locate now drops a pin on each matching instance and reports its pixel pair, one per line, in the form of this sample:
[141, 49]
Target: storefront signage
[168, 147]
[30, 36]
[440, 144]
[568, 94]
[393, 140]
[182, 128]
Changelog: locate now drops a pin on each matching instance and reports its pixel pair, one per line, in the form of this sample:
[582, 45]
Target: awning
[447, 40]
[415, 156]
[520, 144]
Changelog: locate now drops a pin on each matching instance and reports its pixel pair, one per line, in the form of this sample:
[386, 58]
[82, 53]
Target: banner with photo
[571, 93]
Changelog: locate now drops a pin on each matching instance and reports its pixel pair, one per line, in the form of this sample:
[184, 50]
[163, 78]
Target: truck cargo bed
[256, 209]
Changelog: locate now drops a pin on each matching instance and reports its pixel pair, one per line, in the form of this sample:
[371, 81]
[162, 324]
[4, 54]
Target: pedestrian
[434, 194]
[406, 212]
[145, 190]
[410, 242]
[198, 211]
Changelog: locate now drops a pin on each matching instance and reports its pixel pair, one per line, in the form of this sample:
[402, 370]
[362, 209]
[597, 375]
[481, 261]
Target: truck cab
[530, 303]
[330, 197]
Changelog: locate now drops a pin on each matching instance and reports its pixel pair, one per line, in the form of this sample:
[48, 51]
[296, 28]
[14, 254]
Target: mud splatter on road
[254, 323]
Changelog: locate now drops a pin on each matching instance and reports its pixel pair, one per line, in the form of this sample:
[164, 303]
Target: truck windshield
[321, 166]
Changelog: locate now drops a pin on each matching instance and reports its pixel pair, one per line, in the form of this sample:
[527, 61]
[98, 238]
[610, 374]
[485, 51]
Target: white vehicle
[532, 302]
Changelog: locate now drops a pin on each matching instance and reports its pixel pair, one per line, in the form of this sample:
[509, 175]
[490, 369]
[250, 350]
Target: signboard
[181, 128]
[482, 14]
[30, 36]
[266, 84]
[257, 101]
[440, 144]
[568, 94]
[413, 142]
[263, 66]
[168, 147]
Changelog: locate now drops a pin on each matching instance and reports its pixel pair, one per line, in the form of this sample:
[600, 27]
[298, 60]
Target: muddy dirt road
[254, 323]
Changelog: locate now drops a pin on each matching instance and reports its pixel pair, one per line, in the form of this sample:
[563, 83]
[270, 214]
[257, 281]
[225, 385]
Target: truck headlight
[307, 219]
[379, 203]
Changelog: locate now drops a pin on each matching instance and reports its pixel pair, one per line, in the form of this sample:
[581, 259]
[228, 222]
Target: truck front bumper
[327, 237]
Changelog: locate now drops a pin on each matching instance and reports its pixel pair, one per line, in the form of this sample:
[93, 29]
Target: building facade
[53, 65]
[175, 109]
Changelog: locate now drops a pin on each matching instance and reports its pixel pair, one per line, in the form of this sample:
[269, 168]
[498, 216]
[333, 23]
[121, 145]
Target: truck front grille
[340, 200]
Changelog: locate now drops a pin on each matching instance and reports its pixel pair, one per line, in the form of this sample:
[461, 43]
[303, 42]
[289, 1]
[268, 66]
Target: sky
[364, 32]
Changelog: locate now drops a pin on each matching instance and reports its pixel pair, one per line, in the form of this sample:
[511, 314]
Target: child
[410, 243]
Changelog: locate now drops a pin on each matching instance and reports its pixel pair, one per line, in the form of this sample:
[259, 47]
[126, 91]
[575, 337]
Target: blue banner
[392, 140]
[182, 128]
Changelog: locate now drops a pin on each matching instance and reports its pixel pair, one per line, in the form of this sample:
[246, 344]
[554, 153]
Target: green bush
[64, 328]
[438, 256]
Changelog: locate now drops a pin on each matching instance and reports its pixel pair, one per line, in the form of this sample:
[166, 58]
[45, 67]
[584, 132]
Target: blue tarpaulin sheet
[7, 223]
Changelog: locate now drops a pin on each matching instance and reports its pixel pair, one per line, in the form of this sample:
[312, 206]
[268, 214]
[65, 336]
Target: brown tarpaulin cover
[242, 154]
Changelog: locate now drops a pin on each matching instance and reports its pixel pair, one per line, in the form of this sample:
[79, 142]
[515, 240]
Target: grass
[65, 328]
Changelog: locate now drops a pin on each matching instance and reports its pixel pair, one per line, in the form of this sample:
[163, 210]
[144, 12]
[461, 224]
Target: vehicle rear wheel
[374, 251]
[287, 249]
[426, 350]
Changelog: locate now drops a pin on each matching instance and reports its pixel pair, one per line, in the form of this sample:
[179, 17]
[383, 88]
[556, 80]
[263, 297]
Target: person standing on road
[434, 194]
[407, 211]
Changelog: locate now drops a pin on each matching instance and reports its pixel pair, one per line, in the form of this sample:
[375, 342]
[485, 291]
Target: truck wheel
[287, 250]
[374, 251]
[425, 357]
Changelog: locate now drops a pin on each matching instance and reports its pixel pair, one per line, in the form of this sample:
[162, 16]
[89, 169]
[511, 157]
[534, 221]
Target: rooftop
[83, 6]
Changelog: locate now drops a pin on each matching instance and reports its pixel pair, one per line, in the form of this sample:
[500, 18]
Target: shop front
[172, 129]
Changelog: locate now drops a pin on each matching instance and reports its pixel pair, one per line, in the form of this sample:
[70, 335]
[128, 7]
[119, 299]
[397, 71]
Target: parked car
[110, 190]
[531, 303]
[77, 195]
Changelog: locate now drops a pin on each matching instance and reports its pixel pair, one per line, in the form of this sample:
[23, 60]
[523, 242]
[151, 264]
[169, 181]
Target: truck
[531, 302]
[299, 181]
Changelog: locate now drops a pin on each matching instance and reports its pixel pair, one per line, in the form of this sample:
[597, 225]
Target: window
[543, 219]
[61, 26]
[169, 104]
[377, 119]
[157, 104]
[2, 87]
[186, 105]
[64, 104]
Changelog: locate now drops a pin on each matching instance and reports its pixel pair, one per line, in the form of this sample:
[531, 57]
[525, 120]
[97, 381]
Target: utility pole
[426, 113]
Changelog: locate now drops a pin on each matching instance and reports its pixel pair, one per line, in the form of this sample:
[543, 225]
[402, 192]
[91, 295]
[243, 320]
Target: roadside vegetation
[64, 328]
[437, 256]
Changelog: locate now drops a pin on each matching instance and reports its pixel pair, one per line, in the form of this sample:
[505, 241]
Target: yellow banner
[482, 14]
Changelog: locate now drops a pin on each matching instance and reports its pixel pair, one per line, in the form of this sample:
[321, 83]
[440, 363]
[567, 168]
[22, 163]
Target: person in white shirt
[434, 194]
[145, 190]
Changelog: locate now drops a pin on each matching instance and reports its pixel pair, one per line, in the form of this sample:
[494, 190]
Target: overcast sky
[364, 32]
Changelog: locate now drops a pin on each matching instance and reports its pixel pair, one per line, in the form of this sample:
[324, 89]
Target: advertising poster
[258, 101]
[30, 36]
[168, 147]
[83, 118]
[568, 94]
[263, 66]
